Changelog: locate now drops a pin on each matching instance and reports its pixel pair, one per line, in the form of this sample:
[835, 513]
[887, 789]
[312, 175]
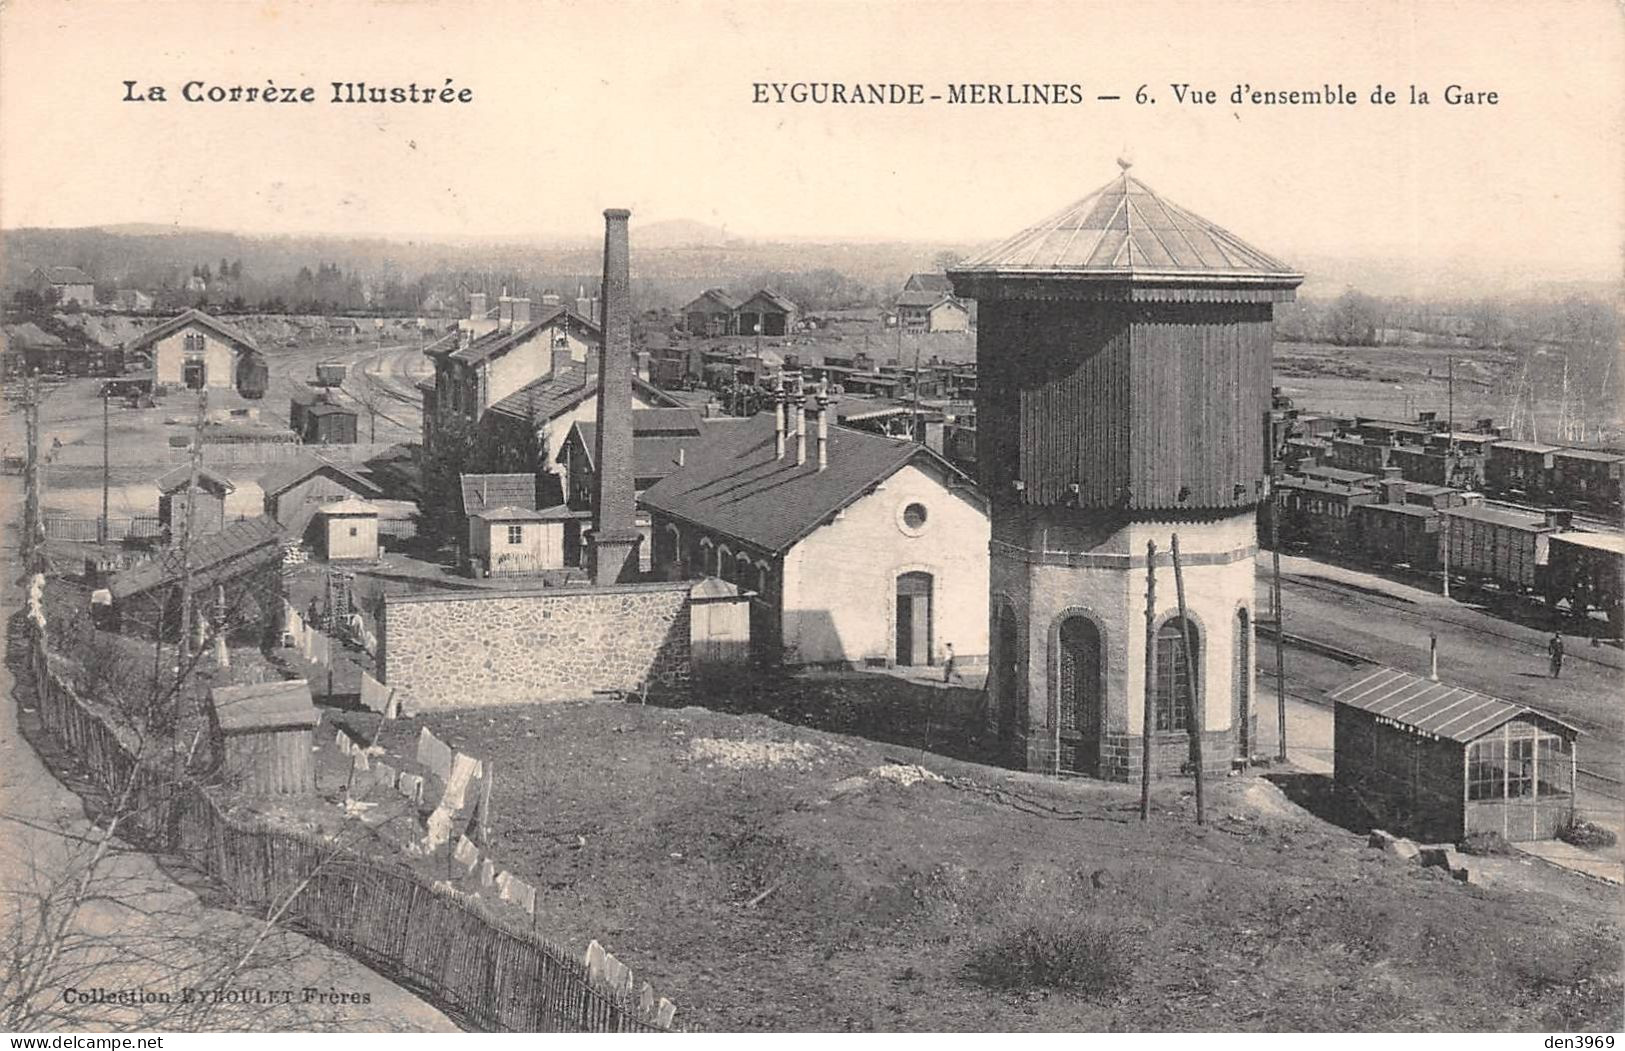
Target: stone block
[1403, 849]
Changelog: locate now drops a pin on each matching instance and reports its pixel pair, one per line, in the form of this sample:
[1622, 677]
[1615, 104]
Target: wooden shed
[212, 490]
[719, 618]
[1437, 762]
[264, 737]
[349, 530]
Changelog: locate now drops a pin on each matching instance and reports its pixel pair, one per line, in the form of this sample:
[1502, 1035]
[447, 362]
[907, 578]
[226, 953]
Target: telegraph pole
[182, 646]
[1150, 677]
[101, 527]
[1196, 722]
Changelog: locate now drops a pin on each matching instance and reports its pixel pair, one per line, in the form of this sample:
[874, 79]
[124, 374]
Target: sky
[580, 106]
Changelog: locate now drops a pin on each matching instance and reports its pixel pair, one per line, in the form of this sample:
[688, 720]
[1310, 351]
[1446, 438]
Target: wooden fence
[428, 937]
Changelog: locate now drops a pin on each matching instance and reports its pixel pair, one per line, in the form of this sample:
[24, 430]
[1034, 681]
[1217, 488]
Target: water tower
[1123, 366]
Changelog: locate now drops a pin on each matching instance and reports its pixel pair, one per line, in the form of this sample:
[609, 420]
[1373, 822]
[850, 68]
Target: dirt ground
[771, 876]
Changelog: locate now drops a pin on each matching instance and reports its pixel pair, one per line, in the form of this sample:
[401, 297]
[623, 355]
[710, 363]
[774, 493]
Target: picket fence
[482, 973]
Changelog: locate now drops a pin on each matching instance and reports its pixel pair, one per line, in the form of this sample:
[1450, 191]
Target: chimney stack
[823, 426]
[1393, 491]
[778, 418]
[476, 305]
[801, 429]
[613, 541]
[521, 312]
[505, 312]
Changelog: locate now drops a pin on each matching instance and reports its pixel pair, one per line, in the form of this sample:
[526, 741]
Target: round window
[912, 517]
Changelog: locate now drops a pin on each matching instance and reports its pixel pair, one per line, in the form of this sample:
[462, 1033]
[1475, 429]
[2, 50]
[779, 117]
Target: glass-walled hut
[1436, 762]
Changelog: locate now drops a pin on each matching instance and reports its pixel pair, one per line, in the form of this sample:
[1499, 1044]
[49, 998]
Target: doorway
[192, 374]
[1079, 688]
[914, 619]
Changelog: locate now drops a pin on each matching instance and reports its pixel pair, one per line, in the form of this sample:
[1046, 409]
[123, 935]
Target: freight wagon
[1588, 569]
[331, 373]
[1506, 548]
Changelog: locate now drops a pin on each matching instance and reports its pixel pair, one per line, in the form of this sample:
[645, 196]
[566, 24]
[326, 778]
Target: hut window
[516, 534]
[352, 530]
[1486, 770]
[1520, 767]
[1173, 685]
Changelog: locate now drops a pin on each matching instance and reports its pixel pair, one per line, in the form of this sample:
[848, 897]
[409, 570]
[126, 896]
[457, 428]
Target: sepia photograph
[812, 516]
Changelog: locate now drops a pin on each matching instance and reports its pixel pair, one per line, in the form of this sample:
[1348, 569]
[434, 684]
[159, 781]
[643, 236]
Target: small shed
[719, 617]
[318, 421]
[518, 541]
[212, 490]
[1438, 762]
[349, 530]
[264, 736]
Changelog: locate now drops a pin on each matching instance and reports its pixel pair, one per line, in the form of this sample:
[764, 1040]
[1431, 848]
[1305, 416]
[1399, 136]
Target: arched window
[1173, 683]
[725, 564]
[1007, 671]
[1079, 703]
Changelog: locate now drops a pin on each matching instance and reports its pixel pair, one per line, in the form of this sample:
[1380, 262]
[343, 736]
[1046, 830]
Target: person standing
[1554, 649]
[949, 672]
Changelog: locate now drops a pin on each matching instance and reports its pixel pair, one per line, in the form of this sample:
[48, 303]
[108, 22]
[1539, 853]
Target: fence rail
[486, 975]
[119, 527]
[214, 453]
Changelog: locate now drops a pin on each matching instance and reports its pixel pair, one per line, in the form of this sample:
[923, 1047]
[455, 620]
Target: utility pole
[182, 646]
[101, 527]
[919, 426]
[33, 515]
[1196, 723]
[1275, 600]
[1150, 716]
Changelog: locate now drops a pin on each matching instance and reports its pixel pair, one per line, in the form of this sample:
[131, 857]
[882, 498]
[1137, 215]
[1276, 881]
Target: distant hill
[678, 233]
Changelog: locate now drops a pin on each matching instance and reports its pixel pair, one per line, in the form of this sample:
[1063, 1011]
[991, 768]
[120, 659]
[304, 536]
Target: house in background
[766, 313]
[860, 549]
[71, 284]
[210, 513]
[296, 490]
[932, 312]
[660, 438]
[491, 359]
[540, 415]
[133, 300]
[199, 352]
[711, 313]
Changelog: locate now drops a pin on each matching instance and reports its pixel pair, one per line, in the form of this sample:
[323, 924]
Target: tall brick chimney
[476, 305]
[613, 539]
[505, 312]
[521, 312]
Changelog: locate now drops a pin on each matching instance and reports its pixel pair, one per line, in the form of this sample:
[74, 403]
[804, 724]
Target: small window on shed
[352, 531]
[516, 534]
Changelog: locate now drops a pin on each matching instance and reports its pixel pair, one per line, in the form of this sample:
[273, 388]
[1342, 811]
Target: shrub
[1585, 834]
[1076, 954]
[1485, 844]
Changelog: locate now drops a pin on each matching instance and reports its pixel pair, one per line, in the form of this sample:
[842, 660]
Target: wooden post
[101, 527]
[1196, 721]
[1280, 613]
[187, 526]
[1150, 677]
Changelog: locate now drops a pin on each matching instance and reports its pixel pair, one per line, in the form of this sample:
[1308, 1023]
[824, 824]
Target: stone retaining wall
[555, 644]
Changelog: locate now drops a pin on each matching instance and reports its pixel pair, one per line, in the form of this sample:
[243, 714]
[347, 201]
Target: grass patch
[1075, 954]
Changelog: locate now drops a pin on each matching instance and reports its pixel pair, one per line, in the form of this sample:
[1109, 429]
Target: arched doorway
[1243, 693]
[1079, 695]
[1007, 679]
[914, 619]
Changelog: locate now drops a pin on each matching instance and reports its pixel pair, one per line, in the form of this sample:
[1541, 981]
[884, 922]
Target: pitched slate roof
[1495, 516]
[212, 556]
[264, 706]
[67, 275]
[1125, 230]
[180, 477]
[482, 491]
[1525, 447]
[349, 506]
[198, 317]
[556, 513]
[1335, 474]
[732, 483]
[928, 282]
[773, 298]
[563, 389]
[927, 299]
[714, 295]
[495, 344]
[1613, 543]
[29, 334]
[285, 476]
[1434, 709]
[1589, 454]
[653, 456]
